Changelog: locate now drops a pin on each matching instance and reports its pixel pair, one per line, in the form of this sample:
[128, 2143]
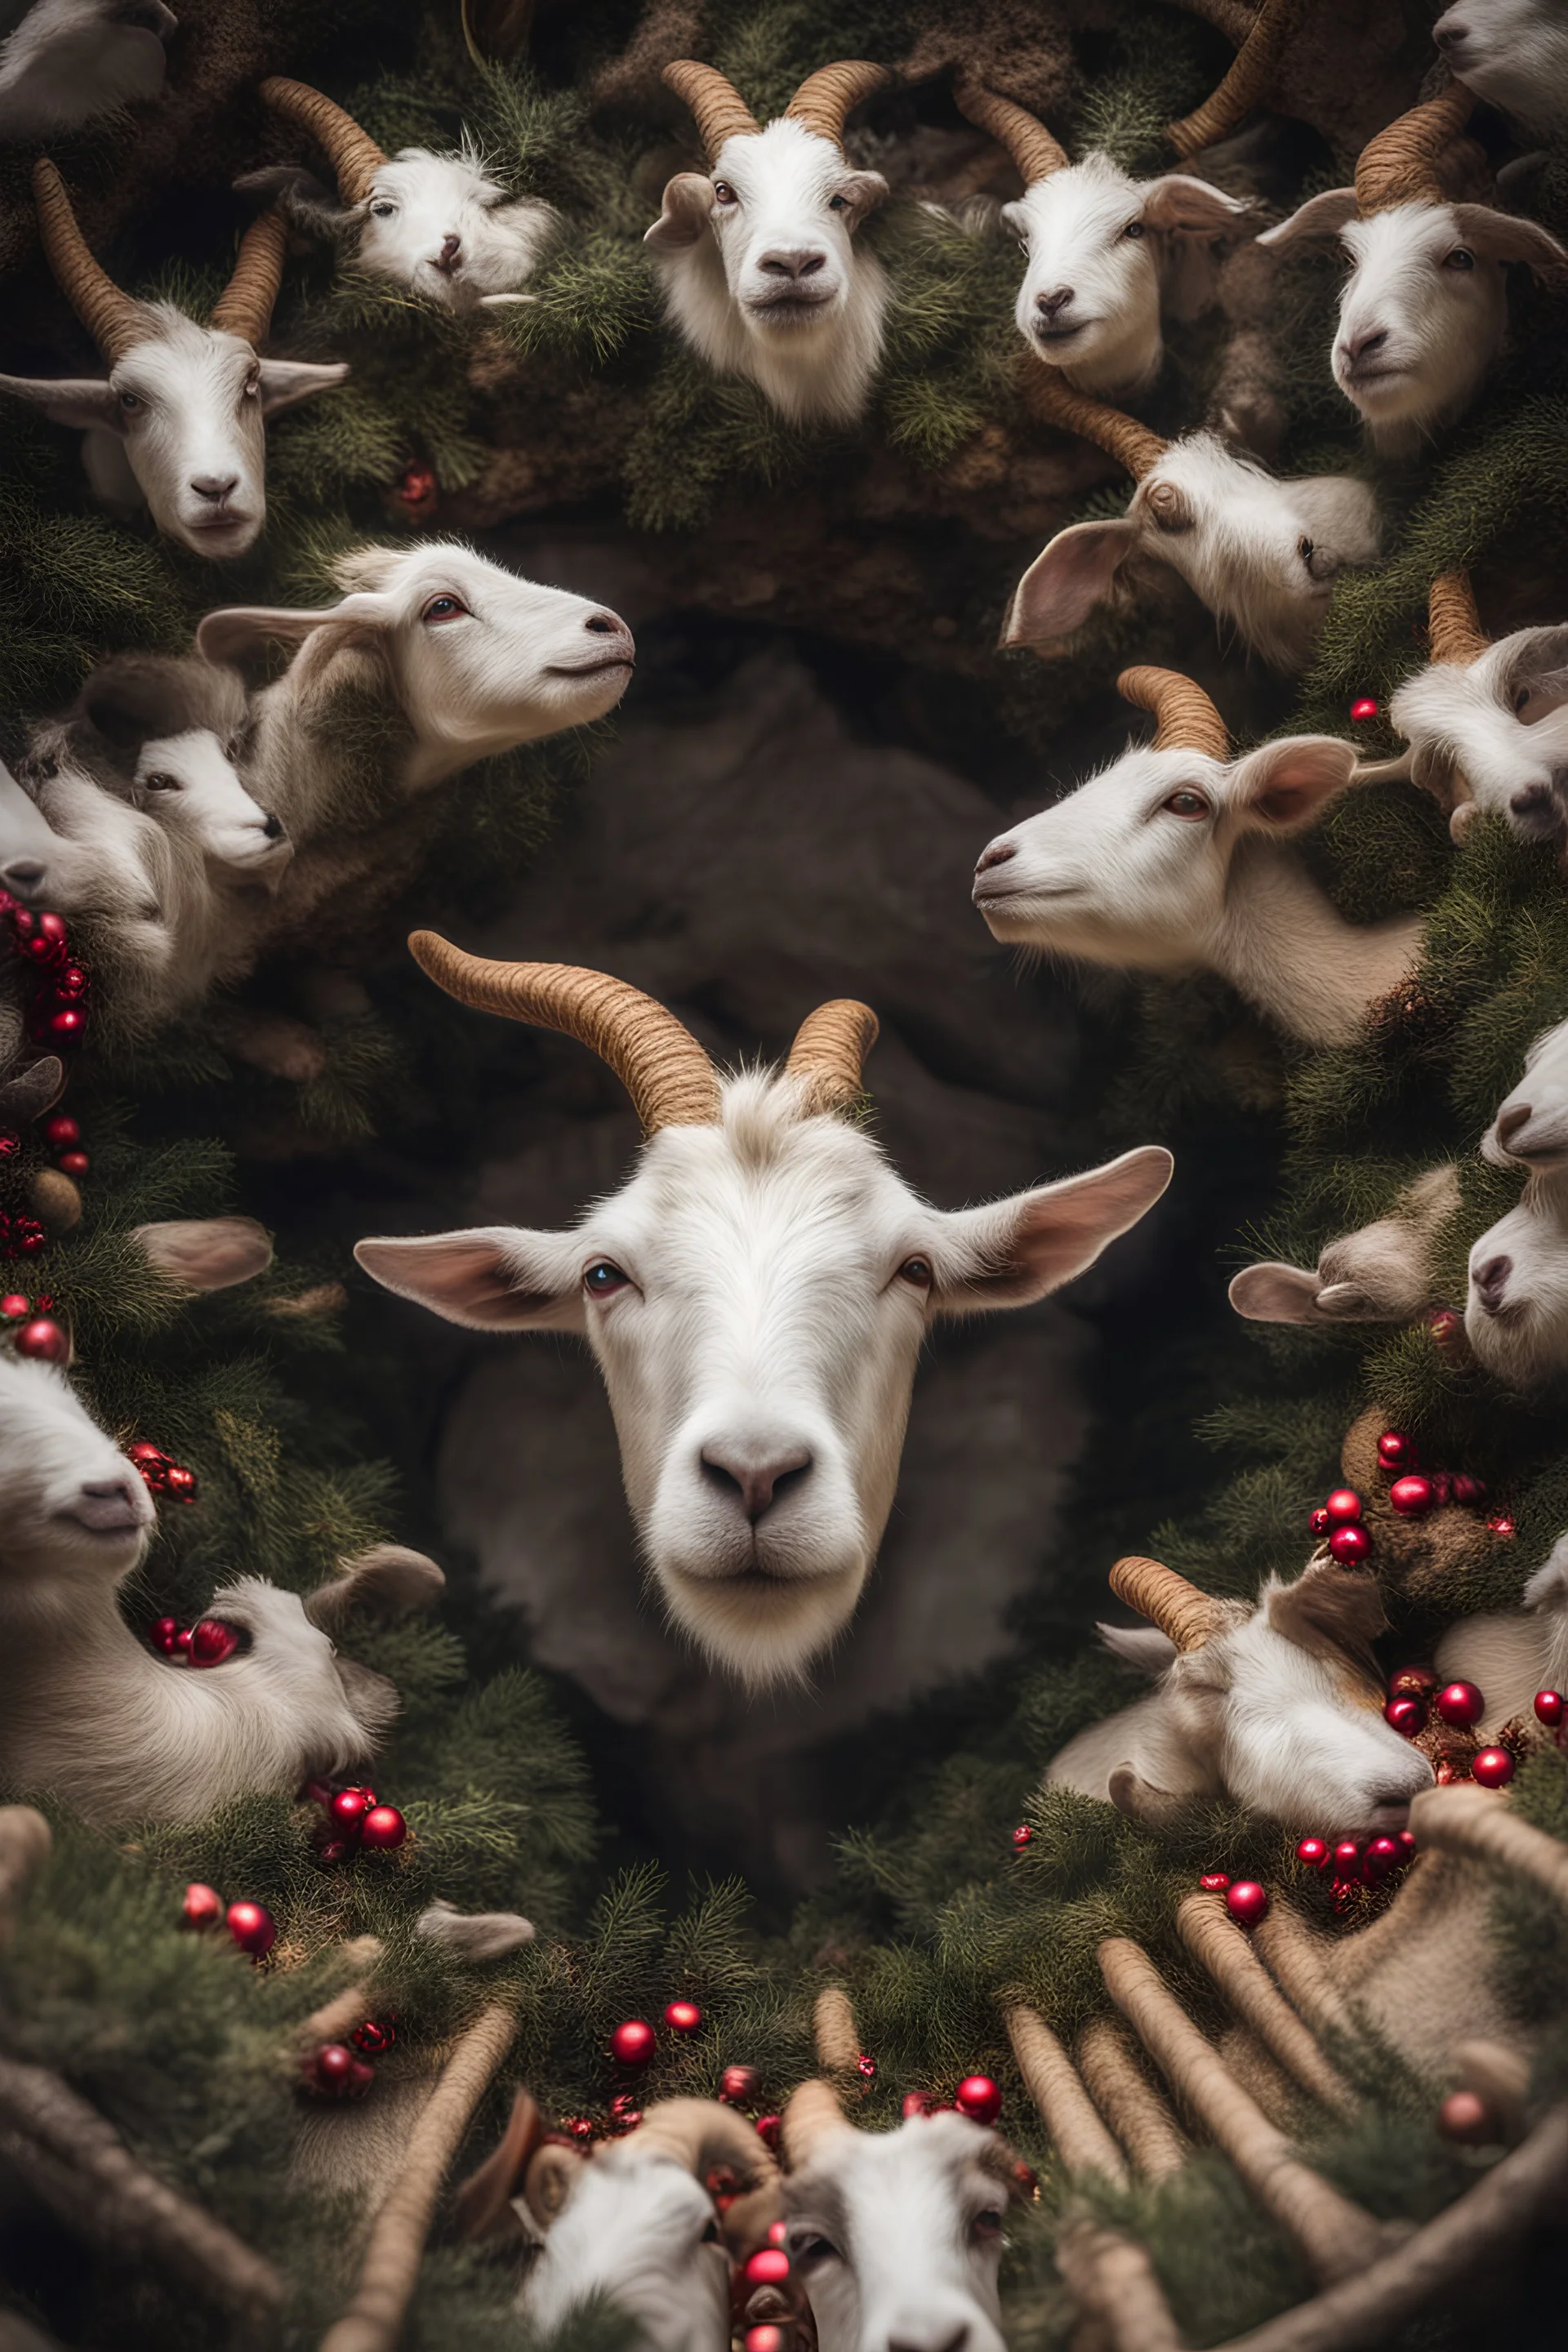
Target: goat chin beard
[762, 1629]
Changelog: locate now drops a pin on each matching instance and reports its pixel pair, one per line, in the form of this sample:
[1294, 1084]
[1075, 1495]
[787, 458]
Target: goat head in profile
[1382, 1274]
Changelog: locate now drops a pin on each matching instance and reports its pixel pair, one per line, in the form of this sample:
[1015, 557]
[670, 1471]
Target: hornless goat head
[1516, 1314]
[183, 407]
[756, 1295]
[761, 272]
[1426, 305]
[1512, 53]
[67, 61]
[1383, 1273]
[435, 223]
[1277, 1705]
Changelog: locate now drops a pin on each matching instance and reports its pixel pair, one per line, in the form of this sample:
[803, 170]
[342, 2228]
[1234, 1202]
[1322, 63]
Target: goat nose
[1057, 299]
[273, 828]
[997, 853]
[23, 874]
[1535, 805]
[1510, 1121]
[1492, 1282]
[604, 625]
[451, 248]
[107, 1503]
[1449, 35]
[1358, 347]
[756, 1477]
[798, 262]
[215, 486]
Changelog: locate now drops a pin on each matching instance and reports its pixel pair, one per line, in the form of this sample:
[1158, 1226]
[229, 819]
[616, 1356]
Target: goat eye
[837, 204]
[1306, 549]
[1519, 701]
[1186, 803]
[161, 783]
[724, 192]
[130, 401]
[604, 1279]
[1134, 228]
[382, 211]
[987, 2224]
[252, 386]
[445, 608]
[1460, 258]
[813, 2251]
[917, 1272]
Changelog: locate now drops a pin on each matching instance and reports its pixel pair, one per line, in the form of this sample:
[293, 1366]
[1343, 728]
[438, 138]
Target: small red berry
[1363, 708]
[1344, 1505]
[203, 1905]
[1411, 1496]
[738, 2086]
[383, 1829]
[1214, 1882]
[1350, 1545]
[769, 2266]
[1347, 1859]
[1381, 1856]
[251, 1924]
[683, 2017]
[1407, 1716]
[1460, 1704]
[349, 1806]
[979, 2098]
[1549, 1708]
[1247, 1902]
[1319, 1523]
[633, 2044]
[1395, 1453]
[1493, 1767]
[1314, 1852]
[1022, 1836]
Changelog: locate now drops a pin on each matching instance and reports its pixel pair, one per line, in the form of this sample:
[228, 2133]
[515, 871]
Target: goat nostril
[997, 855]
[273, 828]
[1492, 1282]
[1057, 299]
[1533, 800]
[602, 625]
[812, 264]
[1509, 1122]
[757, 1484]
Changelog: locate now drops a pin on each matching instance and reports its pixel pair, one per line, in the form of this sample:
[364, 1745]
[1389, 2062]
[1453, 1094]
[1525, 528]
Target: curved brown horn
[114, 321]
[717, 106]
[352, 153]
[1186, 1616]
[1398, 167]
[1120, 436]
[245, 306]
[829, 1046]
[1188, 720]
[657, 1060]
[827, 96]
[811, 2115]
[1027, 140]
[699, 2133]
[1453, 625]
[834, 2032]
[1247, 84]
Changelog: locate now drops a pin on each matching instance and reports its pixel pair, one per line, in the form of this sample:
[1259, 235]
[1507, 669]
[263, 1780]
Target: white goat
[1277, 1705]
[1426, 306]
[1512, 53]
[756, 1295]
[1101, 249]
[758, 261]
[27, 846]
[1260, 553]
[1516, 1314]
[1382, 1274]
[896, 2237]
[70, 60]
[1486, 726]
[1173, 860]
[438, 224]
[180, 420]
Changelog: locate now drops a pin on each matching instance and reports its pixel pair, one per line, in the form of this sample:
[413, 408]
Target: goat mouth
[1024, 893]
[105, 1531]
[592, 669]
[788, 308]
[1052, 335]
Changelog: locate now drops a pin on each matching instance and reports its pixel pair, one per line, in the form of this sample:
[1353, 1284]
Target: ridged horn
[699, 2133]
[1027, 140]
[827, 96]
[811, 2114]
[1399, 166]
[1247, 85]
[657, 1060]
[116, 323]
[717, 106]
[352, 153]
[1453, 625]
[833, 2031]
[1120, 436]
[1184, 1615]
[829, 1046]
[1186, 718]
[245, 306]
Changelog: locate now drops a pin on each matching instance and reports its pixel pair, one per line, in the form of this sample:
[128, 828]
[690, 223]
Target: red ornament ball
[1500, 1524]
[1412, 1682]
[182, 1640]
[61, 1132]
[683, 2017]
[1493, 1767]
[1350, 1545]
[737, 2085]
[978, 2097]
[212, 1642]
[1022, 1836]
[332, 2070]
[180, 1481]
[14, 1308]
[44, 1340]
[633, 2044]
[373, 2036]
[1468, 1489]
[1395, 1451]
[916, 2103]
[1465, 2116]
[770, 2131]
[1381, 1857]
[1344, 1505]
[72, 1163]
[68, 1025]
[1549, 1708]
[383, 1829]
[1314, 1852]
[765, 2337]
[1347, 1859]
[866, 2068]
[203, 1905]
[1406, 1842]
[1247, 1902]
[1363, 708]
[1411, 1496]
[349, 1806]
[1460, 1703]
[251, 1924]
[1407, 1716]
[1319, 1523]
[1214, 1882]
[769, 2266]
[165, 1635]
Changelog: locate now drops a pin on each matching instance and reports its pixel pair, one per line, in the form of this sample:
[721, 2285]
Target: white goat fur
[441, 225]
[1262, 554]
[70, 60]
[1491, 735]
[1511, 1655]
[1516, 1314]
[1382, 1274]
[1512, 53]
[897, 2237]
[638, 2228]
[1108, 244]
[762, 276]
[1175, 862]
[762, 1349]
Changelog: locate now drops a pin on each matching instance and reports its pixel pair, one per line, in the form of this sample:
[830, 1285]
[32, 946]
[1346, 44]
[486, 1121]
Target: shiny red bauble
[978, 2097]
[1549, 1708]
[165, 1635]
[14, 1308]
[737, 2085]
[332, 2069]
[383, 1829]
[1466, 1489]
[683, 2017]
[1411, 1496]
[1314, 1852]
[1247, 1902]
[769, 2266]
[1460, 1704]
[203, 1905]
[770, 2131]
[1406, 1842]
[72, 1163]
[765, 2337]
[1493, 1767]
[1347, 1859]
[212, 1642]
[1407, 1716]
[1319, 1523]
[1214, 1882]
[1467, 2118]
[349, 1806]
[1381, 1857]
[44, 1340]
[1022, 1836]
[1502, 1524]
[1363, 708]
[1395, 1453]
[61, 1132]
[633, 2044]
[1344, 1505]
[251, 1924]
[1412, 1682]
[1350, 1546]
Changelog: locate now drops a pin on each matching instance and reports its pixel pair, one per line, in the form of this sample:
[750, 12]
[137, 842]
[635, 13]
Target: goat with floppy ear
[763, 276]
[1176, 859]
[756, 1295]
[1425, 308]
[1382, 1274]
[179, 423]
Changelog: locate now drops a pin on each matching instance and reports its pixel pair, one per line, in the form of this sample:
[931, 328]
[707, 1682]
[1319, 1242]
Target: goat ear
[862, 192]
[1064, 584]
[1143, 1646]
[85, 401]
[492, 1278]
[1272, 1293]
[1015, 217]
[1281, 787]
[1017, 1251]
[236, 630]
[1506, 236]
[202, 1253]
[1321, 216]
[1185, 204]
[687, 207]
[1138, 1799]
[286, 383]
[1328, 1610]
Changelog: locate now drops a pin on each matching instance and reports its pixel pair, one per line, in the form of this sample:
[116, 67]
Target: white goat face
[638, 2228]
[189, 784]
[71, 1504]
[1512, 53]
[1531, 1123]
[440, 225]
[1501, 724]
[1516, 1313]
[29, 848]
[1094, 240]
[1137, 868]
[756, 1295]
[897, 2237]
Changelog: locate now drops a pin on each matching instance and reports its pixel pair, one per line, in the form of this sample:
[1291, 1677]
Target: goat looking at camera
[1425, 309]
[756, 1295]
[760, 269]
[180, 422]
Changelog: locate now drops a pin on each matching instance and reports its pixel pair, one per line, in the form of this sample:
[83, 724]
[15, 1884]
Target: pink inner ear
[1282, 800]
